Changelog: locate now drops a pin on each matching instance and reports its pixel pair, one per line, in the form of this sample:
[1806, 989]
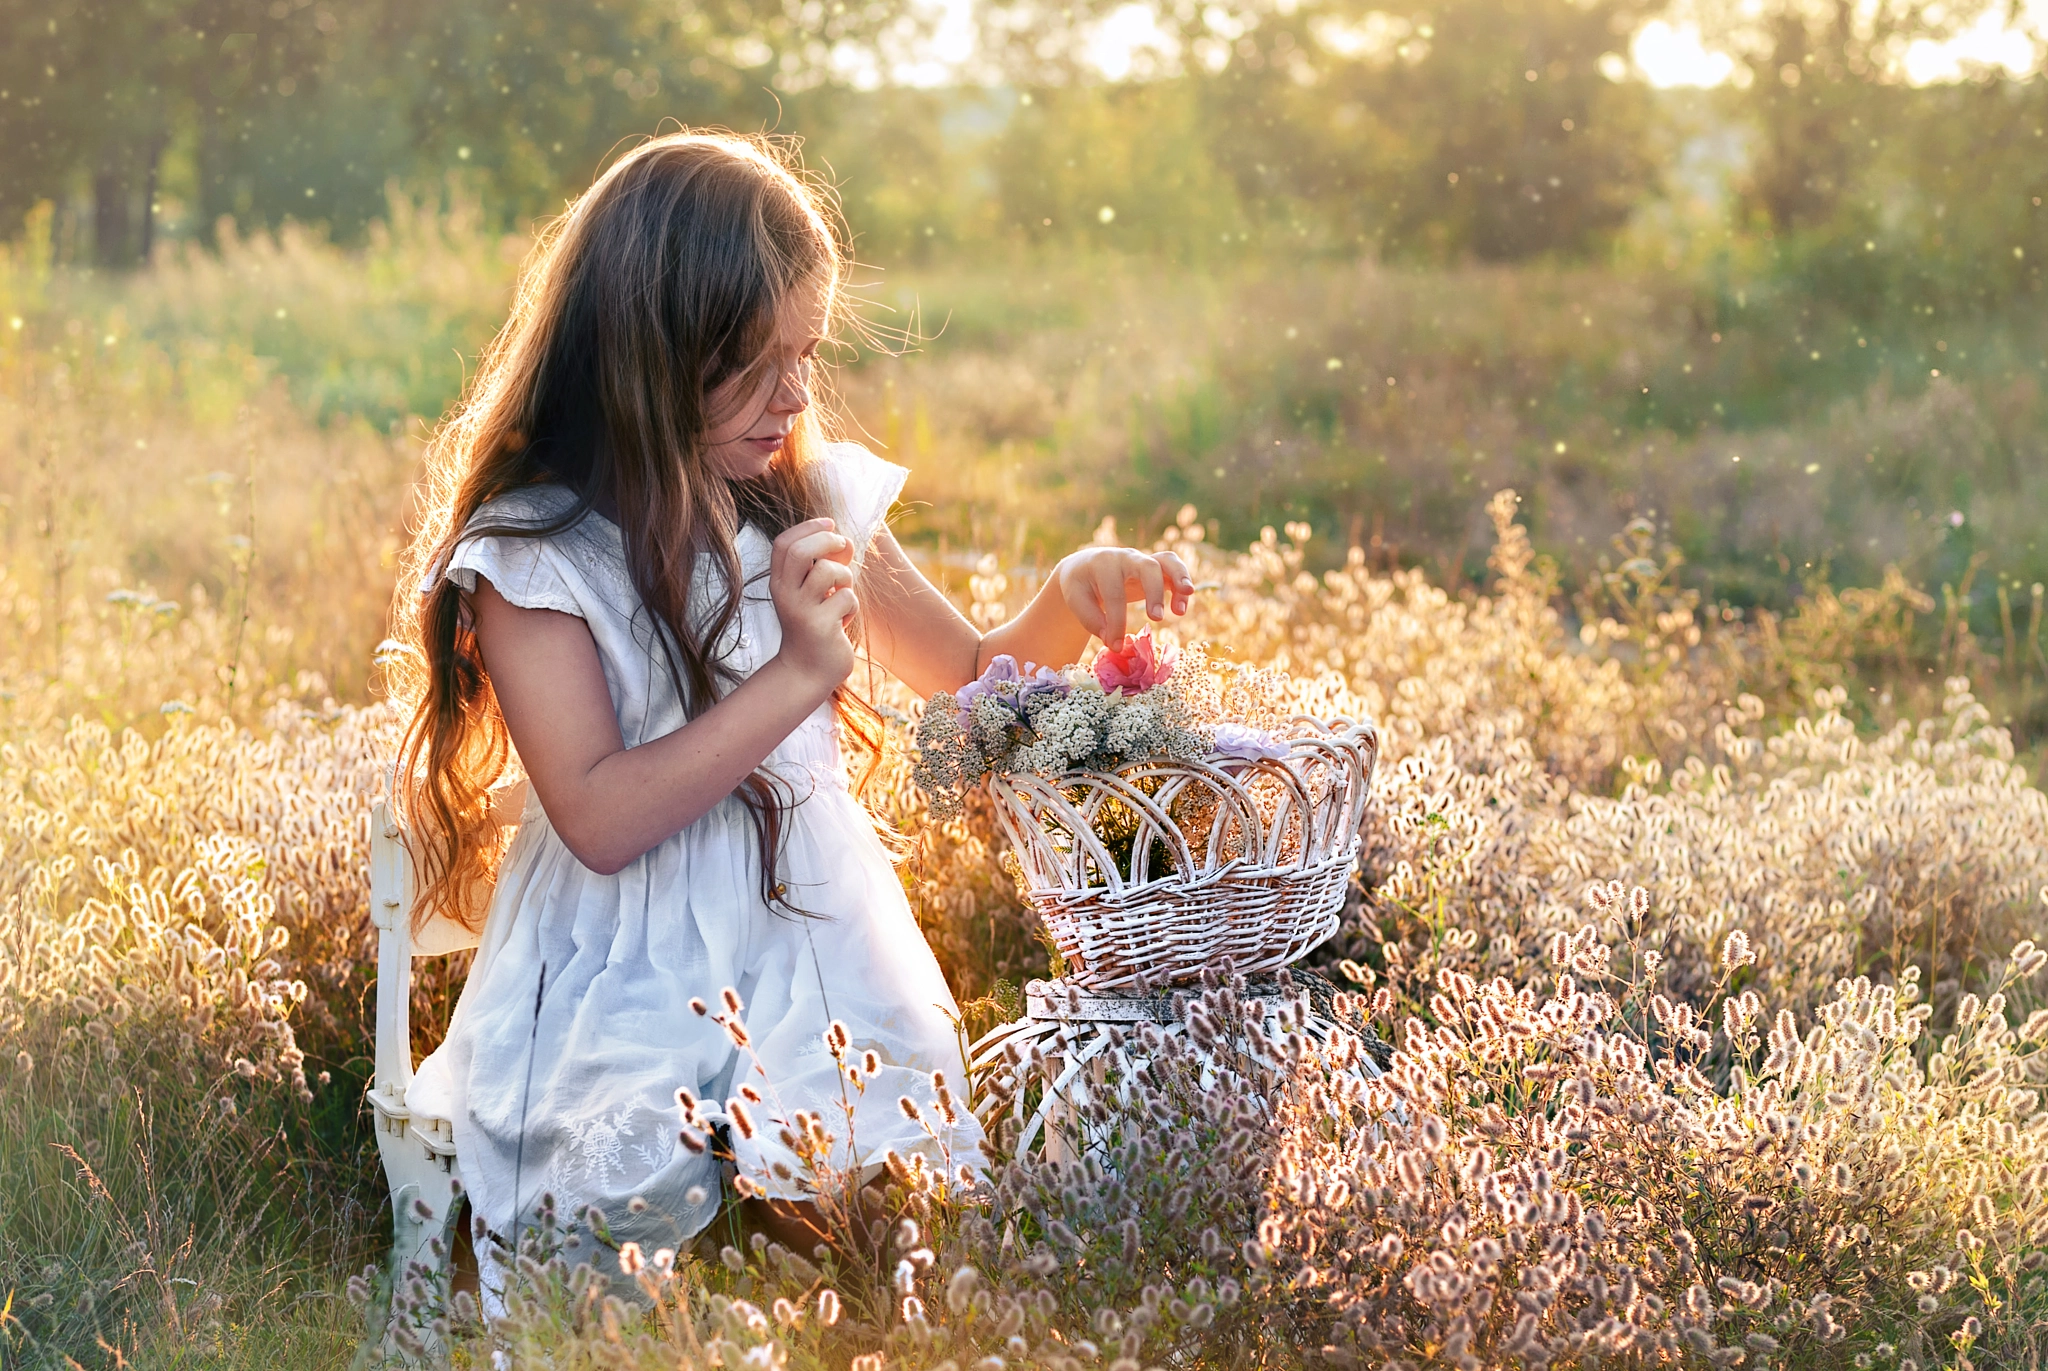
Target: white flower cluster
[1091, 728]
[1049, 724]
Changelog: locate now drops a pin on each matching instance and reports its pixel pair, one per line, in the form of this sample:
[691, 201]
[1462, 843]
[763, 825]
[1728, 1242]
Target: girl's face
[752, 413]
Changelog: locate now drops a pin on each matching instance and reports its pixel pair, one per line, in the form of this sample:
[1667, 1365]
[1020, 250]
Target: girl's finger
[781, 554]
[842, 603]
[1180, 584]
[1111, 610]
[802, 530]
[827, 576]
[1151, 580]
[802, 557]
[820, 545]
[781, 561]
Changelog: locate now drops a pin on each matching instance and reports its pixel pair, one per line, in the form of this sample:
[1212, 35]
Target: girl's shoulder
[513, 542]
[526, 507]
[860, 488]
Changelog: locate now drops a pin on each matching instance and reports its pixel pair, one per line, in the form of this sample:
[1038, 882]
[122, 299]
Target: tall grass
[1778, 439]
[1809, 791]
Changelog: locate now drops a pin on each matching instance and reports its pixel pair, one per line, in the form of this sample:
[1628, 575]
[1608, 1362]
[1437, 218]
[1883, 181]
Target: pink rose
[1134, 665]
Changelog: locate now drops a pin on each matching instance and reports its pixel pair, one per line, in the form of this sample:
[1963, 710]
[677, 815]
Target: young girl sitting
[639, 568]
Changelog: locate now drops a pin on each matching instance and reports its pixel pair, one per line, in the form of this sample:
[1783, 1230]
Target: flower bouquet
[1165, 811]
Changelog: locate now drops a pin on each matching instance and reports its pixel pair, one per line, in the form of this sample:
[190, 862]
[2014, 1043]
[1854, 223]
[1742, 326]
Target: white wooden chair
[418, 1150]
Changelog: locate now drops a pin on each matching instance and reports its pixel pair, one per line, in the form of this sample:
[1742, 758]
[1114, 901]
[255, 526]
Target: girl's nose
[793, 391]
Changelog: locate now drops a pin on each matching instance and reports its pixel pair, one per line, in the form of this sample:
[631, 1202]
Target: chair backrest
[418, 1151]
[391, 891]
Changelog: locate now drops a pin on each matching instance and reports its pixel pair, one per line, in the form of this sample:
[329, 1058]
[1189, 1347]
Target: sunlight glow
[1990, 42]
[1128, 43]
[947, 56]
[1673, 55]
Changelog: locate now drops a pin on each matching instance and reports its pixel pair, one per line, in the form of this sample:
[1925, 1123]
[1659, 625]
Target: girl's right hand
[810, 580]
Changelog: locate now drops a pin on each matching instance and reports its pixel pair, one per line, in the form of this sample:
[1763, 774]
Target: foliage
[182, 889]
[101, 88]
[1540, 1179]
[1051, 721]
[1128, 390]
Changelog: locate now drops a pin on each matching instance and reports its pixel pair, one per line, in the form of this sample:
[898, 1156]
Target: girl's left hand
[1100, 583]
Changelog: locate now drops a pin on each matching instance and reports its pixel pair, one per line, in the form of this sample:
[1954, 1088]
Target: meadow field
[1699, 887]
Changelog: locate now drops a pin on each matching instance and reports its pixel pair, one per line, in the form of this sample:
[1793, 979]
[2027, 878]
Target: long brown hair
[659, 283]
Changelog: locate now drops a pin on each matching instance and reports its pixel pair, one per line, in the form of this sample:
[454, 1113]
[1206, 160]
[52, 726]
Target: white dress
[569, 1087]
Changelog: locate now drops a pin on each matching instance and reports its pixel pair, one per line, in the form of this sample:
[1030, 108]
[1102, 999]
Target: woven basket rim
[1237, 872]
[1326, 767]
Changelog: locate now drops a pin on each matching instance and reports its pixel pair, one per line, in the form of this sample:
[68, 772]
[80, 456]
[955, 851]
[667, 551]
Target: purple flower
[1042, 680]
[1001, 671]
[1243, 743]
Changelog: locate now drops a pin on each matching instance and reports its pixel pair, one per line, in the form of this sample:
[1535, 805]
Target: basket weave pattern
[1163, 867]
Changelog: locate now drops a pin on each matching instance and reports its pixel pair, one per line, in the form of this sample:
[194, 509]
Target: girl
[638, 572]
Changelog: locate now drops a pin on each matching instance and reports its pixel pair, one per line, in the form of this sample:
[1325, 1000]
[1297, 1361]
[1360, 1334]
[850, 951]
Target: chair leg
[415, 1238]
[414, 1235]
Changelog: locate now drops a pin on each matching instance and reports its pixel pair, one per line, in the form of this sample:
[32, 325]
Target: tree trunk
[153, 163]
[112, 245]
[213, 198]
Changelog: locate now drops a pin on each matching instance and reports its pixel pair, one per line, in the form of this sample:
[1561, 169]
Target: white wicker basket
[1226, 859]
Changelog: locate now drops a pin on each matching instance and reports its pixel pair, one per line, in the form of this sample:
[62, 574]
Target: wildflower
[1001, 671]
[1134, 665]
[1249, 744]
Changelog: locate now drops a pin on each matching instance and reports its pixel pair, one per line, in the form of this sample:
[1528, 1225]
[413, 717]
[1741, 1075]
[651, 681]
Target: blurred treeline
[1418, 130]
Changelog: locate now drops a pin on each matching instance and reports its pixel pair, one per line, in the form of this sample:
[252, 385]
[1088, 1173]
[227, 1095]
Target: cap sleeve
[862, 487]
[527, 571]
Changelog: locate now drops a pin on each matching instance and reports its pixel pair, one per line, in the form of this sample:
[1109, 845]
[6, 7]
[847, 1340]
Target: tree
[1821, 77]
[308, 108]
[1495, 128]
[95, 89]
[1506, 129]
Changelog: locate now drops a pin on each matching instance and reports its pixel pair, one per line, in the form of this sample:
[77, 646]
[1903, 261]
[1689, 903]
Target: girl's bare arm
[610, 803]
[921, 639]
